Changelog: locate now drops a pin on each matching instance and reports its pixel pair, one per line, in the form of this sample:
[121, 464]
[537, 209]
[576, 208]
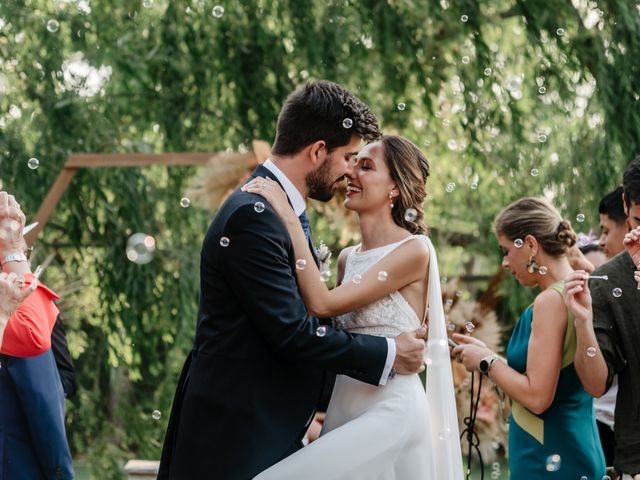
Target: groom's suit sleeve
[259, 265]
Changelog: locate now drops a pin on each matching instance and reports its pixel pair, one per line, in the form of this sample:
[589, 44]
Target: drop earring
[532, 266]
[390, 197]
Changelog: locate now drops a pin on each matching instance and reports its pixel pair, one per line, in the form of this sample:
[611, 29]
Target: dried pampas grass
[223, 174]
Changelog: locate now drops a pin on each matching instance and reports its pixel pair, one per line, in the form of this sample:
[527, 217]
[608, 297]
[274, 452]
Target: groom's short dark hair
[631, 182]
[321, 110]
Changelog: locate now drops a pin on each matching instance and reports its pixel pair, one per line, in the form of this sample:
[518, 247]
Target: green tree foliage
[507, 98]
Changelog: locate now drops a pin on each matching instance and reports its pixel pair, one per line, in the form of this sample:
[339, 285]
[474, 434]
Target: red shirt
[28, 331]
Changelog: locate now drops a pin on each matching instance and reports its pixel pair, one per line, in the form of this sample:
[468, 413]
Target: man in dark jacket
[608, 332]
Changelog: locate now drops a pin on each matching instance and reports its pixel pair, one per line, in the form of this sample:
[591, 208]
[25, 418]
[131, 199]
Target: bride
[386, 285]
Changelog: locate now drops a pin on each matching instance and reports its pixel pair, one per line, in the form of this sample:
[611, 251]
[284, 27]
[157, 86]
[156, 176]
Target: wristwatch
[487, 362]
[13, 257]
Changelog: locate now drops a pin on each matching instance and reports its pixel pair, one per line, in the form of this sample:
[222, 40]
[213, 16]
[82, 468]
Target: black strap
[470, 430]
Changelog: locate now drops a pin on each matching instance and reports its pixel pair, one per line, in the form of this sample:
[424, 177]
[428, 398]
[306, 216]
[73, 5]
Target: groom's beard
[319, 182]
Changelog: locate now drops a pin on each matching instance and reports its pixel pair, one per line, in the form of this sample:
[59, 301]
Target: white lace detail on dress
[387, 317]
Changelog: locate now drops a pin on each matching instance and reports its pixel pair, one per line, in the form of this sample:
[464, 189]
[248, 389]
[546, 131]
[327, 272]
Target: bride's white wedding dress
[396, 431]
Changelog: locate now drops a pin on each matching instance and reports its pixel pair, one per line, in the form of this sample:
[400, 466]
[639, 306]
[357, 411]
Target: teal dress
[566, 429]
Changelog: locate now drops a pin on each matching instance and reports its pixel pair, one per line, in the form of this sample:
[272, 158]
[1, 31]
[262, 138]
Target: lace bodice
[387, 317]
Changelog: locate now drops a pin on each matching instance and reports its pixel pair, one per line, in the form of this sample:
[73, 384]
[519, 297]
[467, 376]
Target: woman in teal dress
[552, 429]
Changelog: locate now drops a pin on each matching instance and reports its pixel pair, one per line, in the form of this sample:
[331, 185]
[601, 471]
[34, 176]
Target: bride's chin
[349, 205]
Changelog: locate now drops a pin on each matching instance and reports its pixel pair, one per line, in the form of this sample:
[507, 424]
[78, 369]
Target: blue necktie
[304, 221]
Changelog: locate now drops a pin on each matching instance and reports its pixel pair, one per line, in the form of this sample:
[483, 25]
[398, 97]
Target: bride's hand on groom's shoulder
[469, 351]
[273, 193]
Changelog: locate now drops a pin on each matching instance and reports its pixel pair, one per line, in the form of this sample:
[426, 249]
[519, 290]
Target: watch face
[484, 366]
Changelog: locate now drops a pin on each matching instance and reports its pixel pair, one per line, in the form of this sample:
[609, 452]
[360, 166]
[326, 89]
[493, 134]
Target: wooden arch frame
[106, 160]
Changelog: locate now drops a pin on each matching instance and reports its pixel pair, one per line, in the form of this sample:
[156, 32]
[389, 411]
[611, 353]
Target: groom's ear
[316, 151]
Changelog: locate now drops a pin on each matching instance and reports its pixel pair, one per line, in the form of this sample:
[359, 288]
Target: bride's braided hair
[409, 169]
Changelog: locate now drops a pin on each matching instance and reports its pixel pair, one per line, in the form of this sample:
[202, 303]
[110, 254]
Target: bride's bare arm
[405, 265]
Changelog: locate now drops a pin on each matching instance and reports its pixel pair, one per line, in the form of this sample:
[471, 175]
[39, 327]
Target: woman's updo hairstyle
[409, 169]
[536, 216]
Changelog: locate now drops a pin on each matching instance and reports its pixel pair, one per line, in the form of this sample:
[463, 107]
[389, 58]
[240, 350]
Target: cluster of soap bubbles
[553, 463]
[140, 248]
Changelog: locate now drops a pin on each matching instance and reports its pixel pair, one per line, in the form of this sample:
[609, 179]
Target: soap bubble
[53, 25]
[410, 214]
[217, 11]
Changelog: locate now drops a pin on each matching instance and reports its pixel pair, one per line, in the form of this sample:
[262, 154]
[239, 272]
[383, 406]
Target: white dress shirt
[299, 206]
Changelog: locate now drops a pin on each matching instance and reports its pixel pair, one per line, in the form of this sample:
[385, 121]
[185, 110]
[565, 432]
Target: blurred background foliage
[506, 97]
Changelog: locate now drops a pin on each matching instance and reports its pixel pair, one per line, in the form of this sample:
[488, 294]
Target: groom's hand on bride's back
[410, 352]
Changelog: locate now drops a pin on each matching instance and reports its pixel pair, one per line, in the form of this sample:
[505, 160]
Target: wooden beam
[50, 202]
[98, 160]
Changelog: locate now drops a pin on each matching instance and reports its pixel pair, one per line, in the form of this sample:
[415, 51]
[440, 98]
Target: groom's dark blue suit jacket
[253, 380]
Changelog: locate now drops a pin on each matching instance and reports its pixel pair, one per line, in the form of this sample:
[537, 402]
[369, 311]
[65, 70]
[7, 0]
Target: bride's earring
[390, 197]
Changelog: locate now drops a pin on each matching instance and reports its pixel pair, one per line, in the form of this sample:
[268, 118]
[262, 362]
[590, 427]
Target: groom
[259, 364]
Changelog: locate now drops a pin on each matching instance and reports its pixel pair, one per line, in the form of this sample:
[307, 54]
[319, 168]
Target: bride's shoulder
[416, 246]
